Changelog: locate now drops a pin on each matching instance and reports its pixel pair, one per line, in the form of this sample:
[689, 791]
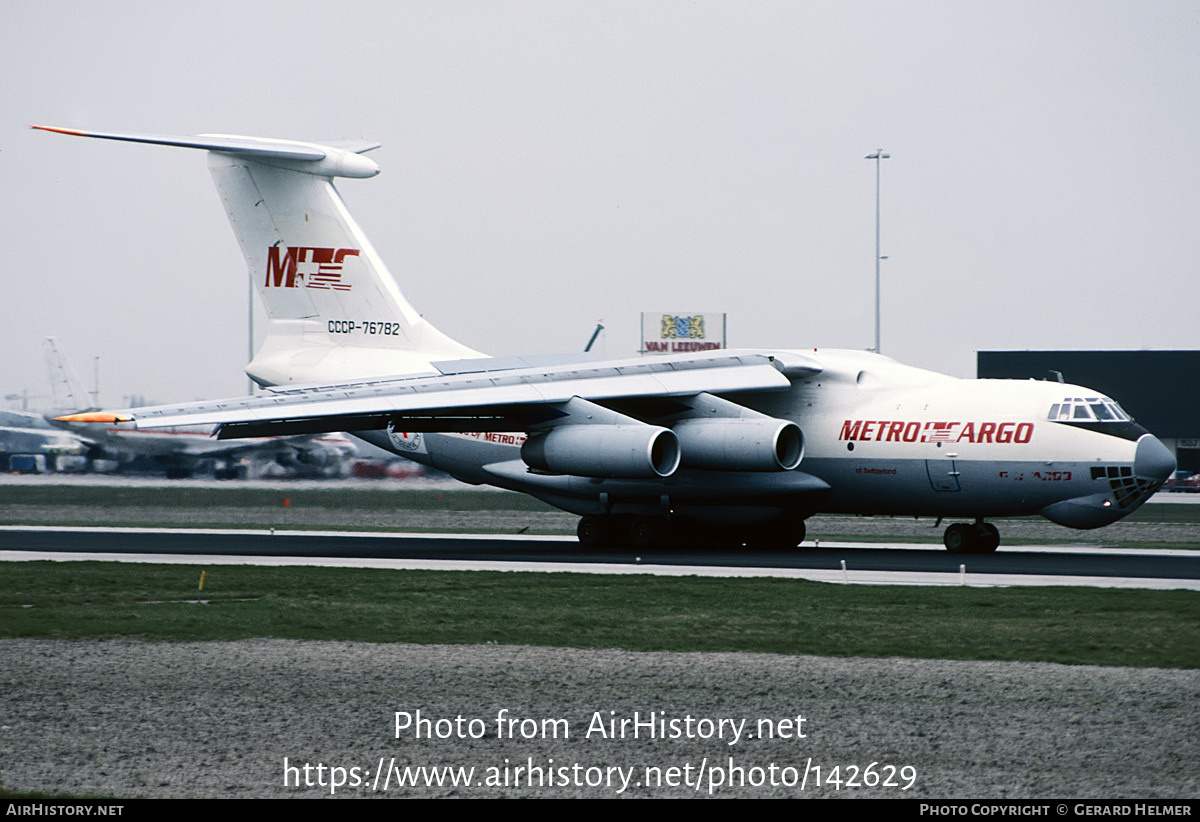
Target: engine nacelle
[625, 451]
[740, 444]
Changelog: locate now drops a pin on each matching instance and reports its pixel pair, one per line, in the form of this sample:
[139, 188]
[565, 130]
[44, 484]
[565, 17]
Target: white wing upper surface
[483, 398]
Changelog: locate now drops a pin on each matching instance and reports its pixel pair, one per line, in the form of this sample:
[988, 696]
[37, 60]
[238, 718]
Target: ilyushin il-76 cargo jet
[733, 445]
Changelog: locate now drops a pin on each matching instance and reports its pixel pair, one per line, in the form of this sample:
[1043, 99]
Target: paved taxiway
[832, 562]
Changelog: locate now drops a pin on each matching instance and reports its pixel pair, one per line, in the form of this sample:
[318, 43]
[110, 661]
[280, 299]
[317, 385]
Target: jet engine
[740, 444]
[625, 451]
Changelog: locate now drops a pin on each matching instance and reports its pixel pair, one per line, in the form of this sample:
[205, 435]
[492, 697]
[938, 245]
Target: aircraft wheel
[960, 538]
[988, 538]
[797, 531]
[710, 538]
[595, 531]
[780, 536]
[647, 532]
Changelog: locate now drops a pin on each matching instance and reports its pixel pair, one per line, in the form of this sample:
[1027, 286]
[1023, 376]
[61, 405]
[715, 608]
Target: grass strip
[90, 600]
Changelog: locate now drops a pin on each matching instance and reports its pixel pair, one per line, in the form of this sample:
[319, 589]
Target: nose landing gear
[978, 538]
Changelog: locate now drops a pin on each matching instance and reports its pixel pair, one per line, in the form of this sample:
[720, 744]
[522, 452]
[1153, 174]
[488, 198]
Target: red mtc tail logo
[322, 267]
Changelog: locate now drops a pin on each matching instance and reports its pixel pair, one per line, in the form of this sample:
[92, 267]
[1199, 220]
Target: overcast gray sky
[549, 164]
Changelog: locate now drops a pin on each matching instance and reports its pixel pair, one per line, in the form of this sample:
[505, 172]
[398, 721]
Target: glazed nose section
[1153, 460]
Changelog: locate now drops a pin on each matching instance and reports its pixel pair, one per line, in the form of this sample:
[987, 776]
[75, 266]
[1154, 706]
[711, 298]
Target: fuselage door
[943, 474]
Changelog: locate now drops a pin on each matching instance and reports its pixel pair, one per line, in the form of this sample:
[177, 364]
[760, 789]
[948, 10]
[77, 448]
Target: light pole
[877, 156]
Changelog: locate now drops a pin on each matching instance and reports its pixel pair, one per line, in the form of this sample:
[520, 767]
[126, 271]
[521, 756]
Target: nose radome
[1153, 460]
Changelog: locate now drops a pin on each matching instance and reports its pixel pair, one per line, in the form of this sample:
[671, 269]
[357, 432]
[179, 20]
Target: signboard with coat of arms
[669, 333]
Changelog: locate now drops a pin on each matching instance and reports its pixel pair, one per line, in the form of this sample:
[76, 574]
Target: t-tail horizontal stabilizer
[336, 158]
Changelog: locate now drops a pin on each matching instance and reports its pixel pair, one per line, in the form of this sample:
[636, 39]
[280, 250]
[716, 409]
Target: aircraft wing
[503, 399]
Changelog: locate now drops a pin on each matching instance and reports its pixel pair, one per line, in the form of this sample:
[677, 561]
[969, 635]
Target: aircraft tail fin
[334, 310]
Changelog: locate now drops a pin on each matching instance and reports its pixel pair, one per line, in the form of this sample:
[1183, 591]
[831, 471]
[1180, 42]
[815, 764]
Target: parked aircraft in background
[29, 443]
[741, 445]
[182, 451]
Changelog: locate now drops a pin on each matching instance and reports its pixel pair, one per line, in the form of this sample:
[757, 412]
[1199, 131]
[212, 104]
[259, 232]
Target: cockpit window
[1088, 409]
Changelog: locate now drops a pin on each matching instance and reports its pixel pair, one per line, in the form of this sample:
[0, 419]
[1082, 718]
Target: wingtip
[57, 130]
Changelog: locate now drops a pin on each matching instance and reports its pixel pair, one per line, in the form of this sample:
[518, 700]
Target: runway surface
[834, 562]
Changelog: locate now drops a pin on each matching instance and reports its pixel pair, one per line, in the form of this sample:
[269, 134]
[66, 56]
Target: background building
[1159, 389]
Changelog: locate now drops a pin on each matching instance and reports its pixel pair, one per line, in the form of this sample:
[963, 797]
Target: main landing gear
[646, 532]
[978, 538]
[641, 533]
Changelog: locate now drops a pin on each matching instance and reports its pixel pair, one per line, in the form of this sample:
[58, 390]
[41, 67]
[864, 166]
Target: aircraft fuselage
[880, 438]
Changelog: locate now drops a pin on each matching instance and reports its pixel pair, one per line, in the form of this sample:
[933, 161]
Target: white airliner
[734, 445]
